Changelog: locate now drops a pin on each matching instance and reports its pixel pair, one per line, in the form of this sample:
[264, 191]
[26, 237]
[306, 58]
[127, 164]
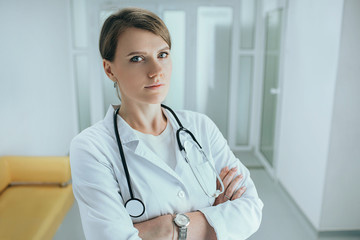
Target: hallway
[282, 220]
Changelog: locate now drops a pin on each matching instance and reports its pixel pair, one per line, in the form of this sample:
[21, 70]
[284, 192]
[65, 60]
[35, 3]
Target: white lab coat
[100, 186]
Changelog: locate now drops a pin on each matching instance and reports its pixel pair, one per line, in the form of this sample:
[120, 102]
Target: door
[271, 89]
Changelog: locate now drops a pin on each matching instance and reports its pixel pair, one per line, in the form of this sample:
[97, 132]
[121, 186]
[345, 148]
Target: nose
[155, 70]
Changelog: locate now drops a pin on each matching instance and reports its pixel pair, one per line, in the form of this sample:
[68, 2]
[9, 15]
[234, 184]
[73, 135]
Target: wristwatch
[182, 221]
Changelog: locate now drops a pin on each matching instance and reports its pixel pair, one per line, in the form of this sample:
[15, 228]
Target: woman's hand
[162, 227]
[231, 182]
[157, 228]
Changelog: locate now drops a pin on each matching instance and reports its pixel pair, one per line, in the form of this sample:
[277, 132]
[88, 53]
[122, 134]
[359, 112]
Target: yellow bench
[35, 196]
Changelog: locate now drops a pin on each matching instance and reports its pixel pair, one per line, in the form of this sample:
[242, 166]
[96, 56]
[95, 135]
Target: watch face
[182, 220]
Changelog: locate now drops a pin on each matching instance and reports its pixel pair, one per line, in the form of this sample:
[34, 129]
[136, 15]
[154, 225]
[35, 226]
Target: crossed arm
[162, 227]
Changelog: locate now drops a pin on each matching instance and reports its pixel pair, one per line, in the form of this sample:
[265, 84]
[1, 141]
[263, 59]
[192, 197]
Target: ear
[108, 69]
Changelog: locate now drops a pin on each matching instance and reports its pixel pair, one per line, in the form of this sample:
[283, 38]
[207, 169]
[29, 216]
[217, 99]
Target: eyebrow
[136, 52]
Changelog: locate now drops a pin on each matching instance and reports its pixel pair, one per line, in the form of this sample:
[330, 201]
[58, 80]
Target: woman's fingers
[230, 190]
[227, 179]
[239, 193]
[231, 182]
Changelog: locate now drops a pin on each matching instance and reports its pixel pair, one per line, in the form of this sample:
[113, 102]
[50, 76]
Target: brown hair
[126, 18]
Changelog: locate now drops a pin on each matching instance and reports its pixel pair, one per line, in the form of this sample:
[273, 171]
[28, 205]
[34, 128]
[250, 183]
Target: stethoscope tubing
[181, 128]
[182, 150]
[122, 155]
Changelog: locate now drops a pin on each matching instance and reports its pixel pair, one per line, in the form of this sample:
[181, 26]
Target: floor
[282, 220]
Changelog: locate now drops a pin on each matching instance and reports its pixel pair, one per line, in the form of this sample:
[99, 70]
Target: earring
[117, 90]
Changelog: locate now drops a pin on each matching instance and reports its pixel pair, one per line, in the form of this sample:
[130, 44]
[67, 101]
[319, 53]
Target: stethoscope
[134, 206]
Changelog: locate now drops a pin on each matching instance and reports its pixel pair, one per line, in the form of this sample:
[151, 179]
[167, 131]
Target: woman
[177, 198]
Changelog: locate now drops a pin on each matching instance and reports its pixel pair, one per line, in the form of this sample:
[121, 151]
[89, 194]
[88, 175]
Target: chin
[156, 100]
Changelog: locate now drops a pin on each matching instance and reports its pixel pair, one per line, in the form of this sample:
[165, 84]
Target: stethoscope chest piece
[135, 207]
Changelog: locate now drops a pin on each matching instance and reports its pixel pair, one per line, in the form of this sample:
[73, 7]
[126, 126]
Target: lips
[155, 86]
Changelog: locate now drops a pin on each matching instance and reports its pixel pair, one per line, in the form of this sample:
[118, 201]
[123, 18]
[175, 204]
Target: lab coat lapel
[126, 133]
[181, 164]
[143, 151]
[131, 141]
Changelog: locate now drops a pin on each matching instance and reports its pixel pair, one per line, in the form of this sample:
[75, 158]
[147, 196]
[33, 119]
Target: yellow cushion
[38, 169]
[33, 212]
[4, 174]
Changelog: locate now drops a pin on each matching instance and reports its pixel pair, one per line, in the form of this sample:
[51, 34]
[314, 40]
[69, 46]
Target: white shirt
[162, 145]
[100, 186]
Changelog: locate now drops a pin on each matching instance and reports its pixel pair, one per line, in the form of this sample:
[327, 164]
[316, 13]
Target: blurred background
[280, 78]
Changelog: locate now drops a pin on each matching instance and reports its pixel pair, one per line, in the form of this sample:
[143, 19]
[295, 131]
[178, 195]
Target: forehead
[135, 39]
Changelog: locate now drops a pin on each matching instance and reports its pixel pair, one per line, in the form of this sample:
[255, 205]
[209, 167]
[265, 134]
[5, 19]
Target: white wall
[340, 210]
[310, 70]
[37, 103]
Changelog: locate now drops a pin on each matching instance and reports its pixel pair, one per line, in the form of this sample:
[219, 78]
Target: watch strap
[182, 233]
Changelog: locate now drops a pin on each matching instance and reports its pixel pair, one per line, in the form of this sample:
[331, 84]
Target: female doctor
[146, 172]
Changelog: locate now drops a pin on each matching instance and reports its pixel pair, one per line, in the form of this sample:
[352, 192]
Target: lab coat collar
[127, 134]
[130, 139]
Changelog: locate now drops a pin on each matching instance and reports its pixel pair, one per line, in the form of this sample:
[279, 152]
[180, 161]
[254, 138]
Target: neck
[145, 118]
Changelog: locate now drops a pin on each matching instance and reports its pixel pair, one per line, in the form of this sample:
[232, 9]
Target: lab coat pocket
[206, 177]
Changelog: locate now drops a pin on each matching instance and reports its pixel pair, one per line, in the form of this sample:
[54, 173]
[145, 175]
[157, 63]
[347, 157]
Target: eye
[136, 59]
[163, 55]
